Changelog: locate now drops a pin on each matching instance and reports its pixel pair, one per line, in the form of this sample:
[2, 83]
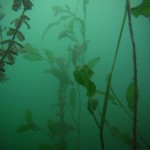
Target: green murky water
[55, 58]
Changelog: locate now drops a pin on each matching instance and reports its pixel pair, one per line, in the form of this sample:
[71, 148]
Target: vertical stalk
[109, 84]
[134, 77]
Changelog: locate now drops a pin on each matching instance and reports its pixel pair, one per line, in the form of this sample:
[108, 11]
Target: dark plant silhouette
[83, 73]
[10, 47]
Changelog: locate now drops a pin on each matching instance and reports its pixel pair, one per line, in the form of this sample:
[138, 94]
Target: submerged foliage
[10, 47]
[142, 9]
[130, 95]
[83, 76]
[29, 125]
[31, 53]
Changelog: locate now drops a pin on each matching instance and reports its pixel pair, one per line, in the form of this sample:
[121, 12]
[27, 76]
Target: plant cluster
[68, 88]
[10, 47]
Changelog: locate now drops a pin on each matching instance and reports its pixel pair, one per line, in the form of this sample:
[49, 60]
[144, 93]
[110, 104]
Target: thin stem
[109, 83]
[135, 76]
[119, 102]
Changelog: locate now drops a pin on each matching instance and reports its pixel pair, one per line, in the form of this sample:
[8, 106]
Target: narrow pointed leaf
[130, 95]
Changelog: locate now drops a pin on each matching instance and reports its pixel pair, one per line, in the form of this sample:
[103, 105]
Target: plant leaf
[76, 52]
[92, 104]
[49, 54]
[25, 17]
[61, 75]
[93, 62]
[20, 36]
[23, 128]
[5, 42]
[130, 95]
[32, 54]
[82, 76]
[65, 34]
[26, 23]
[26, 127]
[142, 9]
[11, 31]
[54, 24]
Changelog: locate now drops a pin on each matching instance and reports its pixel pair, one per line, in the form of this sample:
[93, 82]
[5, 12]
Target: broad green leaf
[82, 76]
[72, 96]
[91, 88]
[142, 9]
[93, 62]
[28, 116]
[130, 95]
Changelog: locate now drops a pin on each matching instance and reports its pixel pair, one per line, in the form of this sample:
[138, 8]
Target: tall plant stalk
[109, 84]
[134, 77]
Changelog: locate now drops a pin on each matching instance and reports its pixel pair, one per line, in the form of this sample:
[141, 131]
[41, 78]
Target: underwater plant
[83, 73]
[10, 47]
[56, 130]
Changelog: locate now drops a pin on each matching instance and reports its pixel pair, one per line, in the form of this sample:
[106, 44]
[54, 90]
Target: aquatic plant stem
[135, 75]
[109, 84]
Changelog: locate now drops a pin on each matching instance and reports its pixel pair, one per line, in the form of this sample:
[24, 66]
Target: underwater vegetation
[74, 72]
[10, 46]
